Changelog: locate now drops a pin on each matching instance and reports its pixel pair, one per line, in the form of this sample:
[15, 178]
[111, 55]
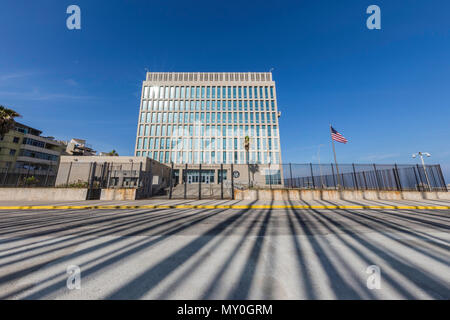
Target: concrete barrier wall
[118, 194]
[42, 194]
[333, 195]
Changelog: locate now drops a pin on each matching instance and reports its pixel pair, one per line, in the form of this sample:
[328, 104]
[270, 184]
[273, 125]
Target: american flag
[336, 136]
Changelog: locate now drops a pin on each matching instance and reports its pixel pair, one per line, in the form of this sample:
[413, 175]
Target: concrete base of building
[43, 194]
[293, 194]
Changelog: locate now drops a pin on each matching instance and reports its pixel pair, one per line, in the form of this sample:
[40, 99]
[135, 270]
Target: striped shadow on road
[238, 207]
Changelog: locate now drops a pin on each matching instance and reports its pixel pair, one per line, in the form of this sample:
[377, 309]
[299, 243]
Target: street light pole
[421, 154]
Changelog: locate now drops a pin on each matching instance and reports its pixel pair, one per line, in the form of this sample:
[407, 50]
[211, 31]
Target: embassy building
[204, 118]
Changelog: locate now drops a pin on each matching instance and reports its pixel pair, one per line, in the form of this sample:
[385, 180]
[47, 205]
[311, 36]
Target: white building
[203, 118]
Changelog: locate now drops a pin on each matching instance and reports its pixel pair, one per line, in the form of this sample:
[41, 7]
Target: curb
[111, 207]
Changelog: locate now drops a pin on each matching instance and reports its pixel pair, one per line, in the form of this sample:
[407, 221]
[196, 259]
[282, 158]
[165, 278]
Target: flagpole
[335, 161]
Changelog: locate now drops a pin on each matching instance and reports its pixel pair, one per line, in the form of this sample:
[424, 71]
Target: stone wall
[333, 195]
[118, 194]
[42, 194]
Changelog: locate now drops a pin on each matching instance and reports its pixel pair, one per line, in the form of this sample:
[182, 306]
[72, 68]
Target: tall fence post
[28, 173]
[365, 181]
[354, 175]
[398, 178]
[5, 176]
[91, 176]
[232, 182]
[103, 173]
[200, 182]
[18, 177]
[420, 178]
[291, 181]
[68, 174]
[171, 181]
[46, 176]
[270, 177]
[150, 177]
[432, 175]
[376, 176]
[444, 186]
[334, 178]
[221, 181]
[417, 180]
[185, 180]
[108, 174]
[312, 176]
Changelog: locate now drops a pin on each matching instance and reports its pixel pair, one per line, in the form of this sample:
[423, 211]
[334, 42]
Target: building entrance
[193, 176]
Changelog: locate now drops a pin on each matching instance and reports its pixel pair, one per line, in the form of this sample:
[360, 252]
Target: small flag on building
[336, 136]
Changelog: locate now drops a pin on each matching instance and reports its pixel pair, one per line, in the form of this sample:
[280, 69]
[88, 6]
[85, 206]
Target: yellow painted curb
[184, 206]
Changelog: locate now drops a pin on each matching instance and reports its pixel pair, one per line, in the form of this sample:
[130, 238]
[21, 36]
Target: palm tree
[113, 153]
[7, 120]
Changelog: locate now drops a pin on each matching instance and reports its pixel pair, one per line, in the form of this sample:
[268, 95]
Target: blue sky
[387, 91]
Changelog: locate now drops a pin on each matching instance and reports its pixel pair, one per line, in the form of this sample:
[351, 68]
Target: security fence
[96, 176]
[364, 177]
[27, 177]
[219, 181]
[202, 181]
[93, 176]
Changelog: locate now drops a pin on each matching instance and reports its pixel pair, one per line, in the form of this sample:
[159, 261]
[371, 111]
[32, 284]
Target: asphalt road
[225, 254]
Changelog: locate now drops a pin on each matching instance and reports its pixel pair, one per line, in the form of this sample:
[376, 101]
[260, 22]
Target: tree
[7, 120]
[113, 153]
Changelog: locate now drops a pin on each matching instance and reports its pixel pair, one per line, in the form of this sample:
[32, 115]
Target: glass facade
[207, 122]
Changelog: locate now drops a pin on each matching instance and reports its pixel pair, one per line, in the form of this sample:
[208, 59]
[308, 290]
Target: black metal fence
[92, 176]
[105, 175]
[364, 177]
[219, 181]
[21, 177]
[197, 181]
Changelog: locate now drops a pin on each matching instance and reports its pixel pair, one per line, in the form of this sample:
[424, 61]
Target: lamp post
[421, 154]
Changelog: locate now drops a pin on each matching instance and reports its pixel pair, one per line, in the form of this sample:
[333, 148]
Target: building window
[16, 139]
[32, 142]
[12, 152]
[273, 177]
[222, 176]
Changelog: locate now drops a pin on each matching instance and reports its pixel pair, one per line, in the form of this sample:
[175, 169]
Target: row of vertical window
[208, 105]
[187, 144]
[38, 155]
[210, 131]
[226, 117]
[199, 92]
[213, 157]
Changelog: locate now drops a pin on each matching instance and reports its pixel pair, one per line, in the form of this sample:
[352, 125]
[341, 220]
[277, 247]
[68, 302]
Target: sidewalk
[227, 204]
